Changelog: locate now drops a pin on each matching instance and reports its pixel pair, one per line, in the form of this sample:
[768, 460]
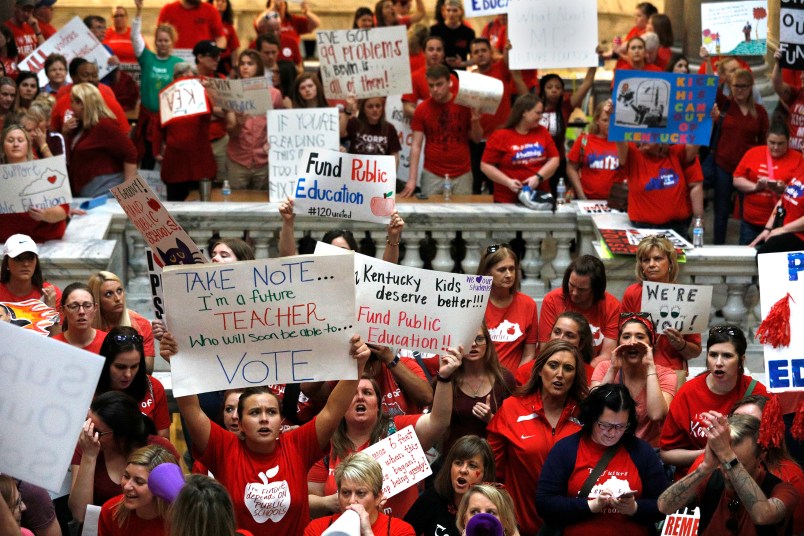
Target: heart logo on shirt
[267, 501]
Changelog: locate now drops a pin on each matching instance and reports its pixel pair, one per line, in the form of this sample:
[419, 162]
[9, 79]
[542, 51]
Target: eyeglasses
[101, 434]
[608, 427]
[87, 306]
[732, 524]
[741, 86]
[123, 339]
[731, 330]
[495, 247]
[480, 340]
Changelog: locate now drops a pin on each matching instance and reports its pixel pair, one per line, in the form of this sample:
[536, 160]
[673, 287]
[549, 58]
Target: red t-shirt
[269, 491]
[421, 91]
[154, 404]
[383, 526]
[599, 164]
[520, 156]
[658, 189]
[608, 522]
[793, 200]
[521, 437]
[108, 526]
[93, 346]
[399, 504]
[795, 104]
[663, 352]
[24, 37]
[143, 327]
[35, 294]
[512, 327]
[603, 316]
[757, 207]
[447, 129]
[683, 427]
[39, 231]
[294, 26]
[121, 46]
[192, 25]
[739, 133]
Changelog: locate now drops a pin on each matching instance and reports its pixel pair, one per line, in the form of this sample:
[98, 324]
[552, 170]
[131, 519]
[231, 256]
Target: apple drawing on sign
[267, 501]
[383, 206]
[153, 203]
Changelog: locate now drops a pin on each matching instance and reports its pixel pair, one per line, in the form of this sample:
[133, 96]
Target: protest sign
[223, 316]
[394, 114]
[479, 91]
[670, 108]
[413, 308]
[364, 63]
[548, 34]
[35, 184]
[483, 8]
[781, 274]
[30, 314]
[183, 98]
[290, 132]
[91, 519]
[791, 34]
[46, 404]
[154, 179]
[402, 460]
[682, 523]
[681, 307]
[169, 242]
[595, 207]
[622, 239]
[735, 28]
[346, 186]
[251, 96]
[73, 40]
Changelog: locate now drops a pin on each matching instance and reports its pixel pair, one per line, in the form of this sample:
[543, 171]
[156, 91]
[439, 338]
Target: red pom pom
[775, 328]
[797, 430]
[771, 430]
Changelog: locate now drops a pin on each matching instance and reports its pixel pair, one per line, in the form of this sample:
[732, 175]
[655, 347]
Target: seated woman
[78, 309]
[110, 295]
[469, 462]
[137, 511]
[36, 122]
[573, 328]
[592, 164]
[683, 436]
[124, 371]
[488, 498]
[21, 274]
[202, 507]
[651, 386]
[359, 480]
[114, 429]
[603, 479]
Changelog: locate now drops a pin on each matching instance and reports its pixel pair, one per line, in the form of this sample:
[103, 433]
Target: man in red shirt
[433, 55]
[43, 11]
[194, 21]
[25, 28]
[447, 127]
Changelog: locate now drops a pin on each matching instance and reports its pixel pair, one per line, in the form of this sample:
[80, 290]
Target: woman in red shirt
[78, 310]
[784, 230]
[21, 274]
[592, 164]
[573, 328]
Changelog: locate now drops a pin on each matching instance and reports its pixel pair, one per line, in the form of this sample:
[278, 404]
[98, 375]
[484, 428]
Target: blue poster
[652, 107]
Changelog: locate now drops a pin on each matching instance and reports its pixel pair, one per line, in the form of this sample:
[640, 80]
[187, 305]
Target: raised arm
[579, 94]
[82, 488]
[420, 12]
[137, 42]
[783, 90]
[414, 387]
[287, 239]
[415, 155]
[682, 492]
[431, 426]
[392, 238]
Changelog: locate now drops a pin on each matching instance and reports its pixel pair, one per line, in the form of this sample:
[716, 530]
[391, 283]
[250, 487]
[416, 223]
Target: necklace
[475, 390]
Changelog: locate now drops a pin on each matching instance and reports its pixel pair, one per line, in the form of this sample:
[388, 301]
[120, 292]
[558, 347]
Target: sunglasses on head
[496, 247]
[123, 339]
[730, 330]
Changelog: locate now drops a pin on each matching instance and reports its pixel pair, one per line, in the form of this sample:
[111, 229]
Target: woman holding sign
[264, 469]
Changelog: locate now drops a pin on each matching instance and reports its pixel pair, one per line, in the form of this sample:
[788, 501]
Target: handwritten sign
[791, 34]
[364, 63]
[30, 314]
[51, 398]
[735, 28]
[272, 321]
[625, 240]
[73, 40]
[780, 274]
[402, 460]
[482, 8]
[662, 107]
[548, 34]
[681, 307]
[251, 96]
[183, 98]
[346, 186]
[167, 239]
[413, 308]
[394, 114]
[35, 184]
[682, 523]
[290, 132]
[595, 207]
[479, 91]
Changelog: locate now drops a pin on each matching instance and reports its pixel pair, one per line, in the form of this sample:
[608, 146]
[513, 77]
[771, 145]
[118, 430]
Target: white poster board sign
[595, 207]
[91, 520]
[262, 322]
[479, 91]
[682, 523]
[791, 34]
[154, 179]
[780, 274]
[681, 307]
[394, 114]
[735, 28]
[51, 397]
[36, 184]
[402, 459]
[183, 98]
[347, 186]
[548, 34]
[413, 308]
[251, 96]
[483, 8]
[73, 40]
[290, 132]
[166, 238]
[364, 63]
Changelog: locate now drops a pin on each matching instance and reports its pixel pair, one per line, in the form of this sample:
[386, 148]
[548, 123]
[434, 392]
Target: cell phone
[68, 114]
[422, 195]
[627, 495]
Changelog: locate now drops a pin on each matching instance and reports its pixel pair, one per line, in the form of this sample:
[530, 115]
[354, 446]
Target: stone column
[691, 43]
[674, 9]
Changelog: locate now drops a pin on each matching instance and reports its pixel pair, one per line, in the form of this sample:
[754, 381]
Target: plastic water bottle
[697, 233]
[226, 190]
[561, 192]
[447, 188]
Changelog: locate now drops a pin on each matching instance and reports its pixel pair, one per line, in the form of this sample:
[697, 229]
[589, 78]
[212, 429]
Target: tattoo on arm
[680, 493]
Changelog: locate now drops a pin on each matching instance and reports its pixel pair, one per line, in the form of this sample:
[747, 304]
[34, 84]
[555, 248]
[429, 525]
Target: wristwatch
[394, 362]
[728, 466]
